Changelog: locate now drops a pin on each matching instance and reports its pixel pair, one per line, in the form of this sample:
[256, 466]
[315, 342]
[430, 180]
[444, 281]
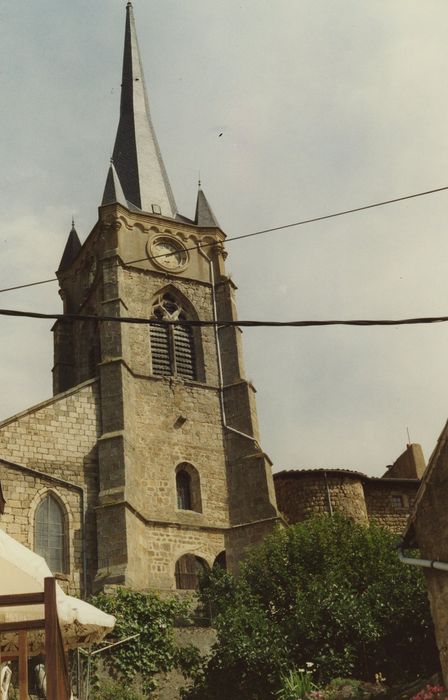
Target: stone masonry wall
[382, 502]
[160, 546]
[302, 494]
[163, 442]
[23, 492]
[58, 438]
[431, 526]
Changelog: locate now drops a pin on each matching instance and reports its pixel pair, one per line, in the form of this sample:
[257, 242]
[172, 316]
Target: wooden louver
[184, 352]
[160, 349]
[172, 347]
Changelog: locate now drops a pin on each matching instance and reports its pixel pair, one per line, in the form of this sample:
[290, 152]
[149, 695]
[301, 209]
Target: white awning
[23, 571]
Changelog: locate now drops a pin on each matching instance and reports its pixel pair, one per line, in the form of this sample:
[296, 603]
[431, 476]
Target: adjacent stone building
[145, 466]
[427, 530]
[386, 501]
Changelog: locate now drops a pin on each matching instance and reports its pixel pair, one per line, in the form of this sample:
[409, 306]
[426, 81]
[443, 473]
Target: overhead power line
[303, 222]
[242, 324]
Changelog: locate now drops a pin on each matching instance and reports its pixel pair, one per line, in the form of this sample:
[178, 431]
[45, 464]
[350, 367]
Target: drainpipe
[218, 347]
[425, 563]
[81, 490]
[327, 488]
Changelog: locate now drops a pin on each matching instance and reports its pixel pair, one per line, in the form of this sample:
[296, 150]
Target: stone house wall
[390, 501]
[304, 493]
[427, 530]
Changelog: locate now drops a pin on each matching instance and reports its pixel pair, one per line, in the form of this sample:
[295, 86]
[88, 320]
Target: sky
[322, 106]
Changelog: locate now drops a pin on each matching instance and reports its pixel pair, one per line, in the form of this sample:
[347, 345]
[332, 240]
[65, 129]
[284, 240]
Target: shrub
[112, 689]
[326, 590]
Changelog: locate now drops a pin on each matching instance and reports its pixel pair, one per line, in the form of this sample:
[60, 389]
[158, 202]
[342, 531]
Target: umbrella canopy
[23, 571]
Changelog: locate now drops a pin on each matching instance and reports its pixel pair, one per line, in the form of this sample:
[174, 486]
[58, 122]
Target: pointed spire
[204, 214]
[113, 191]
[136, 155]
[71, 250]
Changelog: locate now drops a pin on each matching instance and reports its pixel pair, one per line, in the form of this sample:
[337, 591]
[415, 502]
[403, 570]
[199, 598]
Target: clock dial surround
[168, 253]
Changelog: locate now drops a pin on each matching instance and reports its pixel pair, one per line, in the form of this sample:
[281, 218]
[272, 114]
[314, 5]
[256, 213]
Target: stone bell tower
[181, 480]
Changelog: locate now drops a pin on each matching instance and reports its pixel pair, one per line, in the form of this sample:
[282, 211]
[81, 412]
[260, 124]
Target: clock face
[169, 254]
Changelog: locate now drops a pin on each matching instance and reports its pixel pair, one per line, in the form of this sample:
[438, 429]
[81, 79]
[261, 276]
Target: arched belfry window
[50, 533]
[172, 347]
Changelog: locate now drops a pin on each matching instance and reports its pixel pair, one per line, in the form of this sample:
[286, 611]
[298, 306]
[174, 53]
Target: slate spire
[204, 214]
[136, 156]
[71, 250]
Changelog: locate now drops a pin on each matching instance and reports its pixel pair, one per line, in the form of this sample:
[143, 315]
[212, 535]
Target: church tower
[181, 481]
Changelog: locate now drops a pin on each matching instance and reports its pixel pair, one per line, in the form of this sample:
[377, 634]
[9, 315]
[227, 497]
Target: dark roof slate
[204, 215]
[71, 250]
[297, 473]
[136, 155]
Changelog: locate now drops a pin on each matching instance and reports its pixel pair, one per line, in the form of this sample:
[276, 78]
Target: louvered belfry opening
[184, 352]
[160, 349]
[172, 347]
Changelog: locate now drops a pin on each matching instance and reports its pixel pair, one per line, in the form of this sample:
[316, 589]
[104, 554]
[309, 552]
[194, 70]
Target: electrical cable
[242, 324]
[259, 233]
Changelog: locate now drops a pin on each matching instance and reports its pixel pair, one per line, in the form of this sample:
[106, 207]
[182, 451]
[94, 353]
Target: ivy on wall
[154, 650]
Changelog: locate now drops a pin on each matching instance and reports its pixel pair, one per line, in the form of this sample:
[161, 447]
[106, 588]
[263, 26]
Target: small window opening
[397, 501]
[183, 485]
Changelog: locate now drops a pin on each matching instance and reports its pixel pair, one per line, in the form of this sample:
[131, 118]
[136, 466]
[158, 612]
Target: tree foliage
[153, 619]
[326, 591]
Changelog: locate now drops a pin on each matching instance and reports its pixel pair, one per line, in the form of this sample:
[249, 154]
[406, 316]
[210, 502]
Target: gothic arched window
[172, 347]
[188, 570]
[50, 533]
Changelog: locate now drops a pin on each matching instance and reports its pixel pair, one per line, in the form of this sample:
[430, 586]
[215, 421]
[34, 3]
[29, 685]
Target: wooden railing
[55, 659]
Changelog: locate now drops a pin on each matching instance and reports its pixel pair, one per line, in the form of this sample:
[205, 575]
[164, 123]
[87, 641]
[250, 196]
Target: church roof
[298, 473]
[204, 214]
[71, 250]
[136, 156]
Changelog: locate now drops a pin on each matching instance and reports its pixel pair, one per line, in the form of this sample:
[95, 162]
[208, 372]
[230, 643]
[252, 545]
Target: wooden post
[23, 665]
[51, 639]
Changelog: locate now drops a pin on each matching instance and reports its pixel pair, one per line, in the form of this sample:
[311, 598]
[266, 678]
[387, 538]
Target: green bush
[326, 591]
[112, 690]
